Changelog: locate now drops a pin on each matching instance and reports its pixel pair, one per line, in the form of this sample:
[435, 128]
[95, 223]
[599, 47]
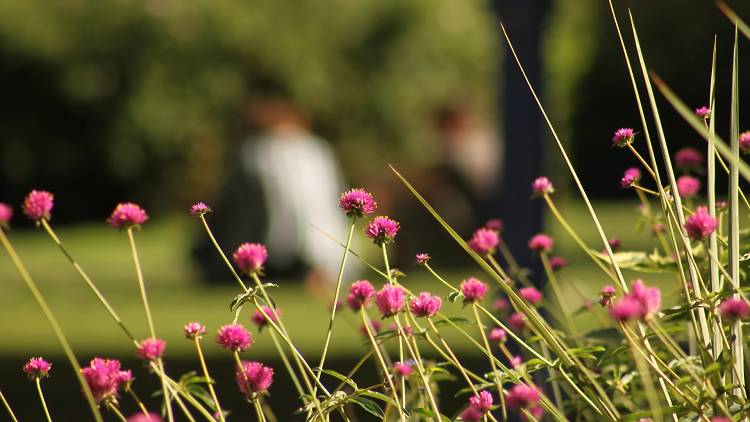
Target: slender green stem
[53, 322]
[137, 400]
[41, 398]
[259, 411]
[414, 352]
[287, 364]
[481, 328]
[221, 253]
[558, 293]
[391, 281]
[7, 407]
[117, 412]
[177, 390]
[209, 380]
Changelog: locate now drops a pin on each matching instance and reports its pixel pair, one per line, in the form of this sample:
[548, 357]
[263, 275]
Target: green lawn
[177, 295]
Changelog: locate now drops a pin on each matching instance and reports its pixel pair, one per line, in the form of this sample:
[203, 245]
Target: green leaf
[367, 404]
[429, 413]
[339, 376]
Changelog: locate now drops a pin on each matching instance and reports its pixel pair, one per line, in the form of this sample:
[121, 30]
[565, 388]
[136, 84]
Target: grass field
[178, 296]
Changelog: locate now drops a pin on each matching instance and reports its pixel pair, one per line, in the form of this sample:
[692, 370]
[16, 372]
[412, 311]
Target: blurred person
[282, 181]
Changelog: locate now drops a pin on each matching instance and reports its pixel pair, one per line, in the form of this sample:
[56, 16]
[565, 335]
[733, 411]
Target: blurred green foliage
[144, 96]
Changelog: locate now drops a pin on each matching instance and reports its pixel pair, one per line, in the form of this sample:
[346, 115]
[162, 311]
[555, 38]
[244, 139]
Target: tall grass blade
[711, 164]
[729, 13]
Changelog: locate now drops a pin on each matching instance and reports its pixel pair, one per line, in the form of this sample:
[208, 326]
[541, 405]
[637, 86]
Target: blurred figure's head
[274, 112]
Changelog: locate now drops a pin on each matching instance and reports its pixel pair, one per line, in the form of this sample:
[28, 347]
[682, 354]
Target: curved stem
[41, 398]
[208, 379]
[7, 407]
[137, 401]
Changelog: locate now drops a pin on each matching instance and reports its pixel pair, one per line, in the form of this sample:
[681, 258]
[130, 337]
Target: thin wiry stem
[41, 398]
[209, 381]
[7, 407]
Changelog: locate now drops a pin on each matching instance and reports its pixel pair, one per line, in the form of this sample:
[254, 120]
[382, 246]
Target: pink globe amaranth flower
[720, 419]
[516, 361]
[649, 298]
[541, 186]
[688, 186]
[497, 335]
[541, 243]
[557, 263]
[423, 258]
[37, 368]
[734, 309]
[482, 401]
[623, 136]
[234, 337]
[471, 414]
[357, 202]
[500, 304]
[403, 369]
[517, 321]
[630, 176]
[606, 294]
[408, 331]
[250, 257]
[382, 230]
[126, 215]
[522, 396]
[390, 300]
[151, 348]
[703, 112]
[199, 208]
[126, 377]
[722, 205]
[530, 294]
[141, 417]
[375, 327]
[254, 378]
[360, 293]
[745, 142]
[689, 158]
[625, 309]
[425, 305]
[6, 213]
[473, 290]
[261, 318]
[194, 330]
[38, 205]
[537, 412]
[494, 224]
[484, 241]
[700, 225]
[103, 377]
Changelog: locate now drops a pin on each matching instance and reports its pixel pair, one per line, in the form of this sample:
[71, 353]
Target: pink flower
[103, 377]
[37, 368]
[199, 209]
[250, 257]
[734, 309]
[497, 335]
[623, 136]
[606, 295]
[541, 186]
[517, 321]
[522, 396]
[6, 213]
[390, 300]
[625, 309]
[530, 294]
[471, 414]
[482, 401]
[382, 230]
[473, 290]
[703, 112]
[403, 369]
[151, 348]
[261, 318]
[631, 176]
[127, 215]
[700, 225]
[614, 244]
[745, 142]
[360, 293]
[422, 258]
[254, 378]
[500, 304]
[234, 337]
[537, 412]
[194, 330]
[689, 158]
[38, 205]
[425, 305]
[688, 186]
[357, 202]
[140, 417]
[649, 298]
[484, 241]
[557, 263]
[375, 327]
[720, 419]
[541, 243]
[495, 224]
[516, 361]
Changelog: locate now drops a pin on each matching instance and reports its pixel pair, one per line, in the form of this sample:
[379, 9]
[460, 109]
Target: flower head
[632, 175]
[541, 243]
[127, 215]
[390, 300]
[689, 158]
[557, 262]
[360, 293]
[38, 205]
[484, 241]
[517, 321]
[151, 348]
[482, 401]
[500, 304]
[497, 335]
[250, 257]
[606, 295]
[37, 368]
[425, 305]
[745, 142]
[516, 361]
[199, 208]
[141, 417]
[422, 258]
[522, 396]
[6, 213]
[382, 230]
[542, 186]
[734, 309]
[357, 202]
[703, 112]
[194, 330]
[254, 378]
[403, 369]
[261, 318]
[688, 186]
[700, 225]
[471, 415]
[531, 294]
[473, 290]
[234, 337]
[623, 136]
[495, 224]
[649, 298]
[103, 377]
[625, 309]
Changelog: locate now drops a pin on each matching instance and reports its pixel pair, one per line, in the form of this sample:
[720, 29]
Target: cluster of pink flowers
[254, 378]
[631, 176]
[38, 205]
[403, 369]
[127, 215]
[425, 305]
[541, 243]
[250, 257]
[623, 136]
[542, 186]
[260, 319]
[523, 396]
[104, 377]
[484, 241]
[688, 159]
[6, 213]
[688, 186]
[734, 309]
[357, 202]
[360, 293]
[382, 230]
[37, 368]
[473, 290]
[641, 302]
[194, 330]
[530, 294]
[234, 337]
[151, 348]
[479, 405]
[700, 225]
[390, 300]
